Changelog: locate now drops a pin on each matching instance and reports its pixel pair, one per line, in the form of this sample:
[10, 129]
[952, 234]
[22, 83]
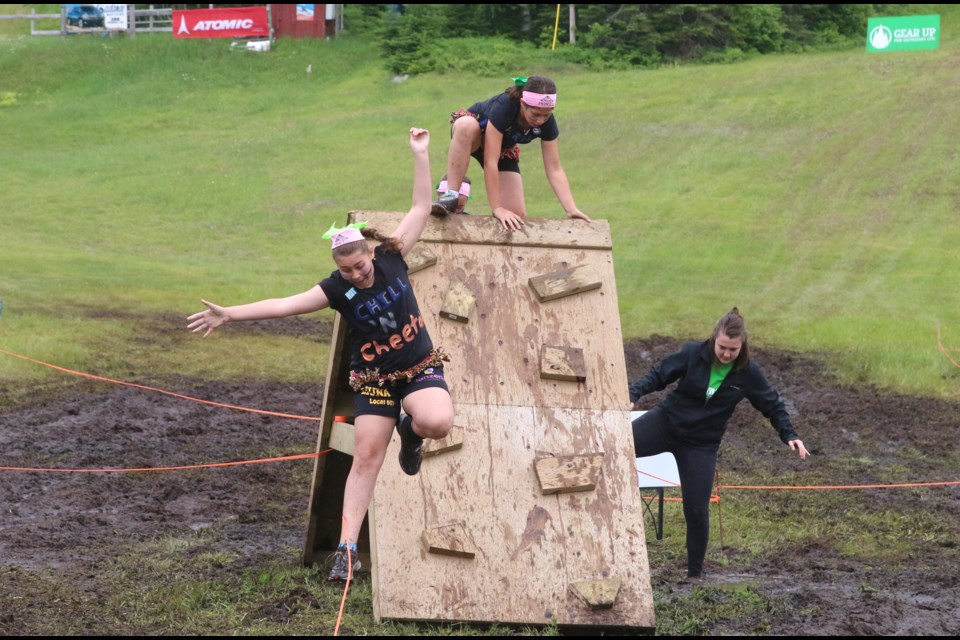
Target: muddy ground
[70, 527]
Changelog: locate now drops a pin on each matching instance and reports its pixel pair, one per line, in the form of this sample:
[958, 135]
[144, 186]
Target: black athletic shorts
[503, 164]
[385, 400]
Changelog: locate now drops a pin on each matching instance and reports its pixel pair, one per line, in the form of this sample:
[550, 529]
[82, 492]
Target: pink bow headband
[346, 235]
[545, 100]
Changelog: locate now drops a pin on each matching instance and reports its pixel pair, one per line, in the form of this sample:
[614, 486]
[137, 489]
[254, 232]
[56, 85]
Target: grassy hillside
[816, 192]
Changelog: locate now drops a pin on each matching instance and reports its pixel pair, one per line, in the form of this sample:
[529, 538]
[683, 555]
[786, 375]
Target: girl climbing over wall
[491, 132]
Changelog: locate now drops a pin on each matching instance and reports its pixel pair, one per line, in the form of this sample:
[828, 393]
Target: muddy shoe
[437, 210]
[411, 446]
[346, 563]
[449, 201]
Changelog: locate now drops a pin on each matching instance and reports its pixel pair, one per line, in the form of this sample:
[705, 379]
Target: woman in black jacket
[715, 375]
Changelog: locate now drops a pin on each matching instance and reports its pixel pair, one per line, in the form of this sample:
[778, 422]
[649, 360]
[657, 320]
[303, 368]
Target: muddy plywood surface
[496, 356]
[529, 547]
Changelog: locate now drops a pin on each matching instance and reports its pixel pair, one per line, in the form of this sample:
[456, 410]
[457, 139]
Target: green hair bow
[334, 230]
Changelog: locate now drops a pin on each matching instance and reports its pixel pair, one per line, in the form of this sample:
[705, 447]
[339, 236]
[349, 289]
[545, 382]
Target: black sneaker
[343, 564]
[449, 201]
[411, 454]
[436, 209]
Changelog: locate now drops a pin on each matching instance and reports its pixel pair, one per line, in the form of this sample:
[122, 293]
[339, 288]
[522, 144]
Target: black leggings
[651, 436]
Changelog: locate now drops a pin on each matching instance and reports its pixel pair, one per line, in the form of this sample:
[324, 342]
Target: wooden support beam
[459, 303]
[566, 282]
[569, 474]
[449, 540]
[562, 363]
[341, 437]
[597, 594]
[452, 442]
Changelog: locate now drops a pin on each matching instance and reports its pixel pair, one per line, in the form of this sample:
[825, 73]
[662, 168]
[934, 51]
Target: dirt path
[66, 526]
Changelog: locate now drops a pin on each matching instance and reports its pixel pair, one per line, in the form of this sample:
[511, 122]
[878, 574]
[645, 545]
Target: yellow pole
[556, 28]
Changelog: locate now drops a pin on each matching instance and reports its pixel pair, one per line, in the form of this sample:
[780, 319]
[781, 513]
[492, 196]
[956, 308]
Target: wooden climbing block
[458, 303]
[562, 363]
[597, 594]
[449, 540]
[452, 442]
[566, 282]
[568, 474]
[420, 258]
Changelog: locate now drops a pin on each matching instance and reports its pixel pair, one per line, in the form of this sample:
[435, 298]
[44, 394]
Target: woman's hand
[419, 139]
[576, 213]
[207, 320]
[510, 220]
[797, 445]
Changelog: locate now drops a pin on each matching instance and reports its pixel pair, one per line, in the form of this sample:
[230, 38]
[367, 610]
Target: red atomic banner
[236, 22]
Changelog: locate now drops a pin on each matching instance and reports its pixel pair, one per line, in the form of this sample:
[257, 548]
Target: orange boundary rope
[346, 587]
[664, 480]
[169, 393]
[301, 456]
[713, 498]
[852, 486]
[944, 351]
[906, 485]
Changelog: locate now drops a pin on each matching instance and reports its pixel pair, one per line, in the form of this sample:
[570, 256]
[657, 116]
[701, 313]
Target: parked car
[84, 15]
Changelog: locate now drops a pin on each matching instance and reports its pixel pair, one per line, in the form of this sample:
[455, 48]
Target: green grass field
[816, 192]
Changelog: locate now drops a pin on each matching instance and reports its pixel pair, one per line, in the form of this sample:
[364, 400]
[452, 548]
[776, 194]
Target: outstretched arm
[215, 315]
[412, 225]
[557, 178]
[766, 400]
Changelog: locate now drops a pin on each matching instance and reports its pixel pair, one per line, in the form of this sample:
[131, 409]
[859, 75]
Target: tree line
[616, 35]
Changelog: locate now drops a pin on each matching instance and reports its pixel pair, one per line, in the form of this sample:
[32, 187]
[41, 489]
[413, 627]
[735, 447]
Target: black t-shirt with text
[386, 328]
[502, 113]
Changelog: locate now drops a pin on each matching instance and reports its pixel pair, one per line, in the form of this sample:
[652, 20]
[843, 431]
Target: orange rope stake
[944, 351]
[169, 393]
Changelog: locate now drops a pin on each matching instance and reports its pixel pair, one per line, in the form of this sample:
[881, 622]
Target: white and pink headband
[545, 100]
[346, 235]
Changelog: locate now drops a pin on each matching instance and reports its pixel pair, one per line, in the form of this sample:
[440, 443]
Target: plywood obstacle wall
[528, 512]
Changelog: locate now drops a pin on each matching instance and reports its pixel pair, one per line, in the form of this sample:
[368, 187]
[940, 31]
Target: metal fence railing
[140, 19]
